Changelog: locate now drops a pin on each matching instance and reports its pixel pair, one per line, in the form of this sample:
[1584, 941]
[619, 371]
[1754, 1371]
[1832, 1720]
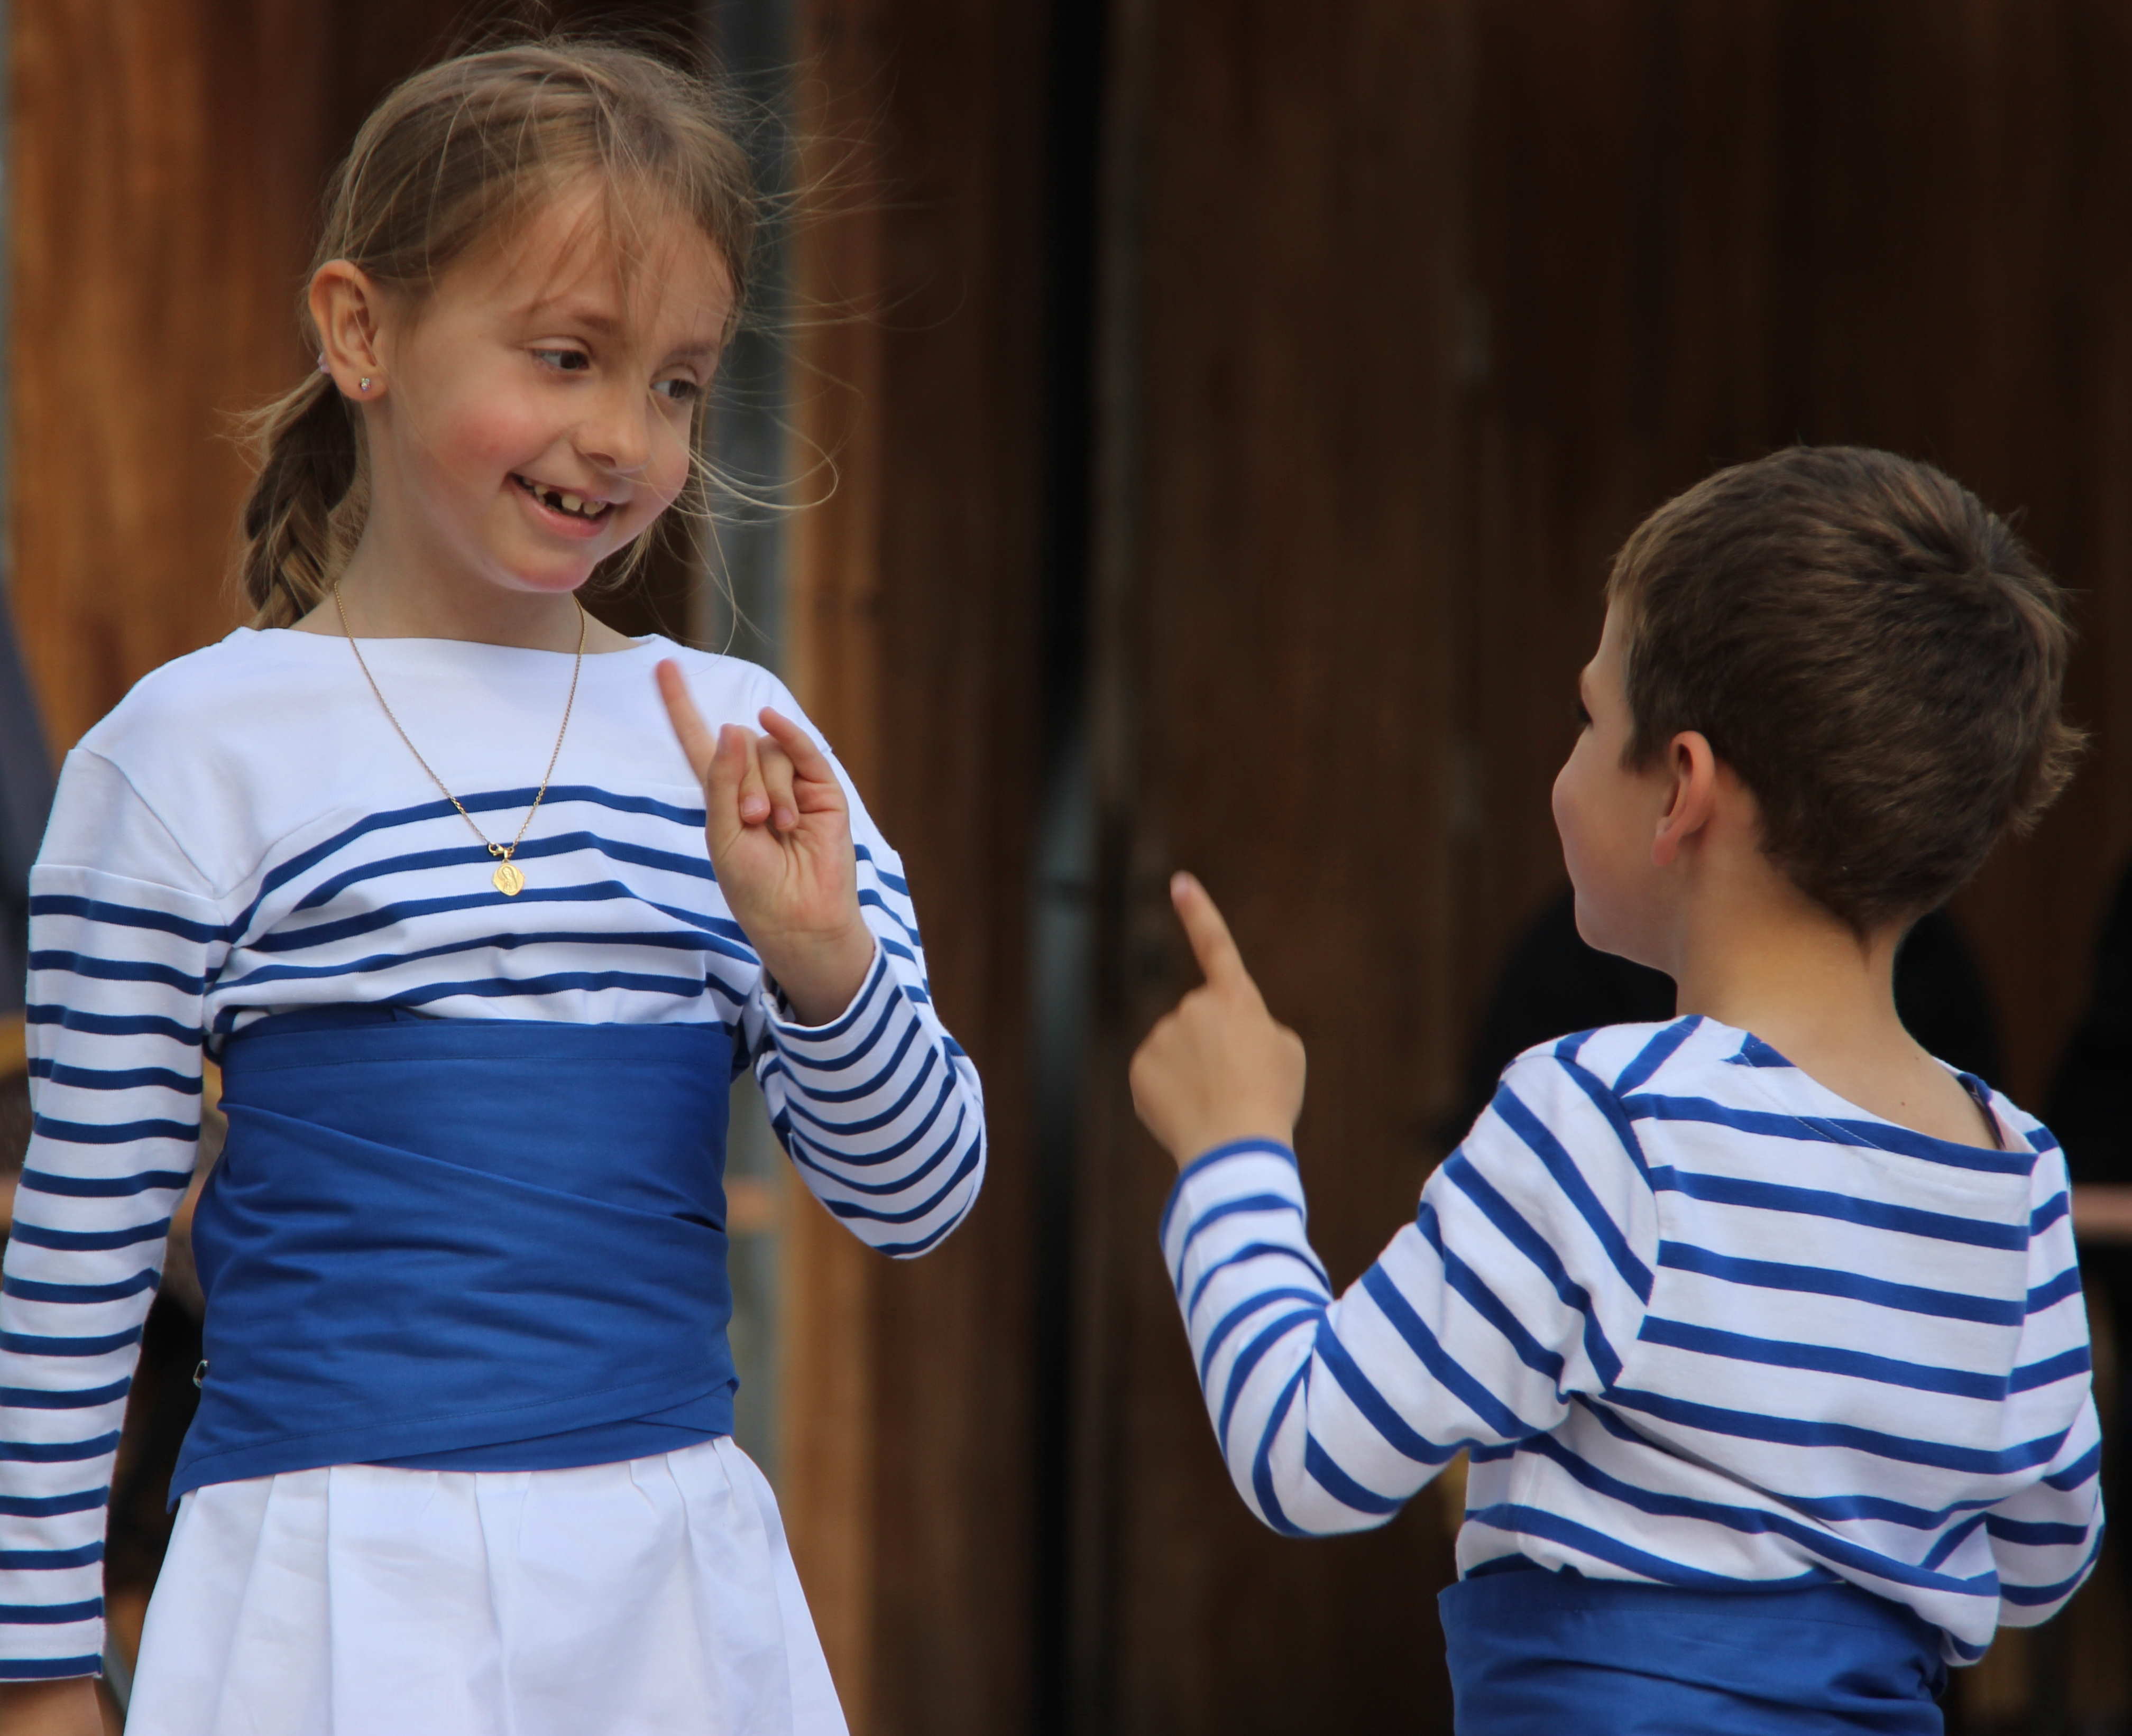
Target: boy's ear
[1691, 794]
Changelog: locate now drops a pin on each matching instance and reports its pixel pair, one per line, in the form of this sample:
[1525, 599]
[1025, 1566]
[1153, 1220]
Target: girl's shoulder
[264, 737]
[252, 692]
[724, 679]
[231, 688]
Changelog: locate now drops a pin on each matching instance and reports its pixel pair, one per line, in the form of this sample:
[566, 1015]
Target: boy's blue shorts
[1538, 1653]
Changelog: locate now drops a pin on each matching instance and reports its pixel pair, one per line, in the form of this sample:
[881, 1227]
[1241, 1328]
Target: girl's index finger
[697, 742]
[1212, 944]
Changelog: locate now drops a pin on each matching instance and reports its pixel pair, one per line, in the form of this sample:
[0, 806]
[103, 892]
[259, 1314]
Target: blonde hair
[453, 153]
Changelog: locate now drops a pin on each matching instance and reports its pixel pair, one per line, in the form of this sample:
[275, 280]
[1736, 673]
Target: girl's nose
[618, 437]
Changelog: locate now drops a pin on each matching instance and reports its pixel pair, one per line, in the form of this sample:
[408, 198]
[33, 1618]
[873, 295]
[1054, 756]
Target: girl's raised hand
[1217, 1069]
[780, 831]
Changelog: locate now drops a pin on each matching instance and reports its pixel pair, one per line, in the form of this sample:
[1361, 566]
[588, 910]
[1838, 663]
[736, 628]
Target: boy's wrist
[1219, 1138]
[1237, 1145]
[1242, 1167]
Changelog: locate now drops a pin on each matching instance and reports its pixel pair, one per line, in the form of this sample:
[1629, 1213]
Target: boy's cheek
[1562, 799]
[1584, 855]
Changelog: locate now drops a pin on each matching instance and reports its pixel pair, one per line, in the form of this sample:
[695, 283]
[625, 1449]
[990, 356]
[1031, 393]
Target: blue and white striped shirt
[244, 835]
[1698, 1322]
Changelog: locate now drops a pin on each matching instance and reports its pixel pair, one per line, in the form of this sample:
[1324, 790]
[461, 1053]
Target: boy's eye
[680, 390]
[568, 361]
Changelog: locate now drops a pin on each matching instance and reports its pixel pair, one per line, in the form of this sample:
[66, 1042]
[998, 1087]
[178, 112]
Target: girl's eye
[680, 390]
[568, 362]
[1583, 716]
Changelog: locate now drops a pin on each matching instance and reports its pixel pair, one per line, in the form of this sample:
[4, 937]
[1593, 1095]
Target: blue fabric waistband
[451, 1240]
[1536, 1653]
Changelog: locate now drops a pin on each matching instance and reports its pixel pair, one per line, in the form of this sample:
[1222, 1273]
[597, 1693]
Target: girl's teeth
[574, 504]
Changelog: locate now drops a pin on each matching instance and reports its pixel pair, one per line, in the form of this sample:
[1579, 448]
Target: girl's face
[539, 401]
[1608, 814]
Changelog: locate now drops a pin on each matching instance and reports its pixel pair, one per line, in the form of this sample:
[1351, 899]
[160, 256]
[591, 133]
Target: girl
[478, 941]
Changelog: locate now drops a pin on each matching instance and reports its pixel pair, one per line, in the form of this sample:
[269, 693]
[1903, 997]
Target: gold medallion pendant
[508, 878]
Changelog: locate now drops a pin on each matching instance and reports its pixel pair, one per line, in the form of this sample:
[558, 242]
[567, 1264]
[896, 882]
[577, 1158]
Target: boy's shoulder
[1626, 1059]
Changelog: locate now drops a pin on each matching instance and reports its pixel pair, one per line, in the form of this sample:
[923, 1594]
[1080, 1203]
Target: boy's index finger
[1212, 944]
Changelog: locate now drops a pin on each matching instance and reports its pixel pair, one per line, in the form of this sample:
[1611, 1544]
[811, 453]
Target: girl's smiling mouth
[584, 509]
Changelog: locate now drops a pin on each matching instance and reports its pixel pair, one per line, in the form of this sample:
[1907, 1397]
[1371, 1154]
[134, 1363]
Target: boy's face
[1608, 814]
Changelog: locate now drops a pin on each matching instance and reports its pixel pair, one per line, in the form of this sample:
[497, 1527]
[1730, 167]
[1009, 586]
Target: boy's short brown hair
[1875, 653]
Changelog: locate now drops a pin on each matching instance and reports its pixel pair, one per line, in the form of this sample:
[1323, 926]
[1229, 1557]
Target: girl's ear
[347, 309]
[1692, 795]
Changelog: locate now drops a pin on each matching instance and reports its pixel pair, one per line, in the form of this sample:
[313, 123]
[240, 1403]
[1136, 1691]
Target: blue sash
[453, 1240]
[1536, 1653]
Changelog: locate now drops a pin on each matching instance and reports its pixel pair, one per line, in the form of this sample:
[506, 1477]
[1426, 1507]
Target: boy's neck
[1824, 997]
[1791, 974]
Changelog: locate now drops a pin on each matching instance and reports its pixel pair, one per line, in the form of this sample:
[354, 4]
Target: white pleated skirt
[653, 1598]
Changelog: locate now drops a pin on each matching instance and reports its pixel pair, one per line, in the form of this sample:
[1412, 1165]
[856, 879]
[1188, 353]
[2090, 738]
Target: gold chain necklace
[509, 878]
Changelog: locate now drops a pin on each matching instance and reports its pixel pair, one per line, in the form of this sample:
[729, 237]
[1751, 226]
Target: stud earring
[363, 384]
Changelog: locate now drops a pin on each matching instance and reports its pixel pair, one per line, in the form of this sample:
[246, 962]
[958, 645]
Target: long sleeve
[881, 1109]
[2045, 1538]
[1520, 1283]
[123, 936]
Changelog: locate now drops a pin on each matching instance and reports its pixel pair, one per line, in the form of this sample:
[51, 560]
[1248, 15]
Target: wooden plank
[165, 160]
[906, 1441]
[828, 1349]
[1273, 702]
[1702, 231]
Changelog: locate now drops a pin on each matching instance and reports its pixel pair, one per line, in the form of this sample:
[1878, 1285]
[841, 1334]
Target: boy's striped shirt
[245, 836]
[1696, 1320]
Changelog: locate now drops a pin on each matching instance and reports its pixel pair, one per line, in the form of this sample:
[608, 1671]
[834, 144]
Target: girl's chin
[547, 572]
[551, 583]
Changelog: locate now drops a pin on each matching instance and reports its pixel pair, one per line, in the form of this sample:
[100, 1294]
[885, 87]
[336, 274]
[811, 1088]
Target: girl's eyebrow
[596, 316]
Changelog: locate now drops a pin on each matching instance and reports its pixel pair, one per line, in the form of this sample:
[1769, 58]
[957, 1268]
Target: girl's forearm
[65, 1708]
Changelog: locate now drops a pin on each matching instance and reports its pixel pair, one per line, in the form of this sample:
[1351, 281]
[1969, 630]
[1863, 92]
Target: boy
[1761, 1327]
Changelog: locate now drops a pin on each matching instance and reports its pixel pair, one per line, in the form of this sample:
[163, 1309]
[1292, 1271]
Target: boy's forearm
[1280, 1376]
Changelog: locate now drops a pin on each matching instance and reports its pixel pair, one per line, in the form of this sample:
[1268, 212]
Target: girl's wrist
[820, 976]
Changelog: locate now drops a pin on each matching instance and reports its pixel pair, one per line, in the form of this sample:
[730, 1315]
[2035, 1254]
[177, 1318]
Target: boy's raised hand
[780, 831]
[1217, 1069]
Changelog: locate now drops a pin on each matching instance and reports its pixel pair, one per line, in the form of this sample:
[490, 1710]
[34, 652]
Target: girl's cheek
[488, 437]
[673, 473]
